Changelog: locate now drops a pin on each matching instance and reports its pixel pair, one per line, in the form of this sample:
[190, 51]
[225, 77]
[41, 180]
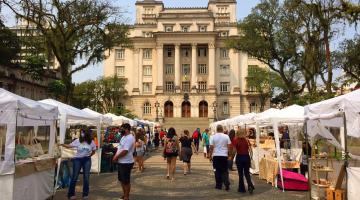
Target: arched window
[147, 108]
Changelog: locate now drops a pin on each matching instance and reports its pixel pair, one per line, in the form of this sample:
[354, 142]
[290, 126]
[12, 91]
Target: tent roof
[27, 108]
[290, 114]
[104, 119]
[265, 116]
[326, 111]
[73, 115]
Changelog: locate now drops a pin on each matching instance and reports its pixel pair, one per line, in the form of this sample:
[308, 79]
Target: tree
[9, 45]
[263, 82]
[74, 29]
[103, 95]
[268, 34]
[348, 58]
[57, 89]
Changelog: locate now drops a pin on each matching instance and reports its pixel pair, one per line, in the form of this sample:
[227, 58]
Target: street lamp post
[157, 105]
[214, 107]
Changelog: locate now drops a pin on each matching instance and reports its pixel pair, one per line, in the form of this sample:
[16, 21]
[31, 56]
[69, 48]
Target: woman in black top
[186, 151]
[156, 139]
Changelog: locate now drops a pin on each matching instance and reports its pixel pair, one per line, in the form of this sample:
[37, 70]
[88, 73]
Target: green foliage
[348, 59]
[74, 29]
[9, 45]
[103, 95]
[34, 67]
[264, 82]
[310, 98]
[57, 89]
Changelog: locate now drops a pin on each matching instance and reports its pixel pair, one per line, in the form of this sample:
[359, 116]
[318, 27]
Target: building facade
[179, 66]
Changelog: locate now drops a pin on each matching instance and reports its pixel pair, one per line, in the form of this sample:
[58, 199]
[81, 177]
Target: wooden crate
[330, 194]
[335, 194]
[340, 194]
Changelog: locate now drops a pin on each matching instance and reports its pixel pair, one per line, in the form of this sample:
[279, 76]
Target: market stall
[68, 116]
[343, 113]
[31, 174]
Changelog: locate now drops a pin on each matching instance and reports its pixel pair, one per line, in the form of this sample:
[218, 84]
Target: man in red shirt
[162, 134]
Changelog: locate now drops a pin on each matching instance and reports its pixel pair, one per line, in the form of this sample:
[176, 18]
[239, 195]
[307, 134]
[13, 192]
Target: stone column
[177, 67]
[135, 72]
[160, 69]
[211, 78]
[193, 67]
[140, 72]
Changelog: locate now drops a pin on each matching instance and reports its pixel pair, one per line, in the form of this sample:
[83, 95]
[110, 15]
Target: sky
[128, 6]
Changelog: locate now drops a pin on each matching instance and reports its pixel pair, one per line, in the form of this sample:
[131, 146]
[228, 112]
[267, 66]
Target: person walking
[186, 151]
[139, 150]
[156, 139]
[219, 149]
[196, 138]
[171, 152]
[206, 142]
[125, 159]
[162, 137]
[243, 159]
[231, 150]
[85, 148]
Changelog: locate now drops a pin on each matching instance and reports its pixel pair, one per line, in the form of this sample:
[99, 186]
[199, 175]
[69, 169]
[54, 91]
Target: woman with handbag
[243, 160]
[139, 150]
[85, 148]
[171, 153]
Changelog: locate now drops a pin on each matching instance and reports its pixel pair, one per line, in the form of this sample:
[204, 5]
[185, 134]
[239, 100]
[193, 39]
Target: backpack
[195, 135]
[171, 147]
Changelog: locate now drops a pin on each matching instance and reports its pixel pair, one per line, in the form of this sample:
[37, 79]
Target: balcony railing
[149, 16]
[222, 15]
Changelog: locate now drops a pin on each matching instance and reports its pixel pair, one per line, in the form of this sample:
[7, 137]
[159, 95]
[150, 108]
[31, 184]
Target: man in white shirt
[219, 152]
[124, 158]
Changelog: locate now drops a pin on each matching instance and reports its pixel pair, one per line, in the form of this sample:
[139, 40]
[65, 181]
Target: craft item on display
[20, 151]
[34, 149]
[293, 181]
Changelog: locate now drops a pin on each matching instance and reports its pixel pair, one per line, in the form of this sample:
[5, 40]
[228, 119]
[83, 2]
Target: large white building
[179, 65]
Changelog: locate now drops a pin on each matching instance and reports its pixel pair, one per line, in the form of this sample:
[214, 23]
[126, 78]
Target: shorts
[124, 172]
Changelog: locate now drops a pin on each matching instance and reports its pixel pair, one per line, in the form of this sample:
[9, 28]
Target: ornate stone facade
[179, 65]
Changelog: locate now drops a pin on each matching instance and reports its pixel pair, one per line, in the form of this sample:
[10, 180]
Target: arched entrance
[186, 109]
[169, 109]
[203, 109]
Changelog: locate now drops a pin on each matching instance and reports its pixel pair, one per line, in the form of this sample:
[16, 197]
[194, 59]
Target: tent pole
[307, 152]
[346, 151]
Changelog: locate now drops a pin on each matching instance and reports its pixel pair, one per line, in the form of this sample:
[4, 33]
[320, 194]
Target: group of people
[220, 148]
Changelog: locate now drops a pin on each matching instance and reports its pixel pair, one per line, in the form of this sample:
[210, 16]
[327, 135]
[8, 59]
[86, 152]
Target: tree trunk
[328, 62]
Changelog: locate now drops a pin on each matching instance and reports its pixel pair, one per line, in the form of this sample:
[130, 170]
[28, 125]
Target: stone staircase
[190, 124]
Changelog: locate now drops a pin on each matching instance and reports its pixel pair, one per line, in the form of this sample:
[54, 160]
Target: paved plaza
[199, 185]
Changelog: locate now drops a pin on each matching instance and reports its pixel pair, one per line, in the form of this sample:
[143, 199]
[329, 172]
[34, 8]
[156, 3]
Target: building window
[225, 108]
[224, 34]
[202, 52]
[185, 28]
[147, 108]
[253, 107]
[169, 86]
[169, 52]
[185, 69]
[185, 86]
[120, 106]
[202, 69]
[185, 52]
[147, 88]
[202, 28]
[202, 86]
[169, 69]
[147, 34]
[222, 9]
[147, 70]
[147, 53]
[120, 71]
[224, 53]
[168, 28]
[225, 70]
[224, 87]
[120, 54]
[149, 10]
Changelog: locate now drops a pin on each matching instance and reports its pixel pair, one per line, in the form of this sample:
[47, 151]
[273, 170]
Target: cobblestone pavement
[199, 185]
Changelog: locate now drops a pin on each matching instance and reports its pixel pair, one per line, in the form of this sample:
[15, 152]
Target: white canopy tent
[18, 111]
[70, 115]
[104, 120]
[343, 112]
[118, 120]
